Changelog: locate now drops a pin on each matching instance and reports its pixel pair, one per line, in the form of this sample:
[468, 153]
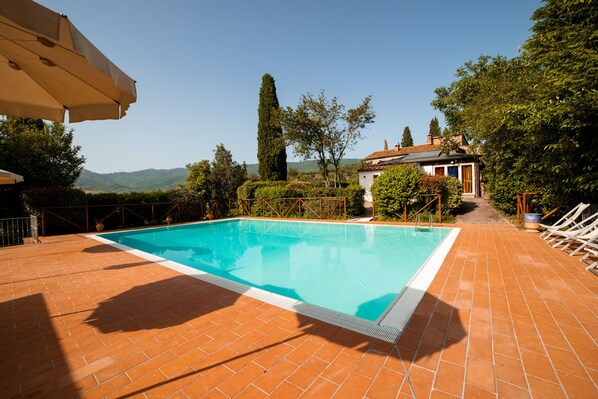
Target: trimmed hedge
[279, 189]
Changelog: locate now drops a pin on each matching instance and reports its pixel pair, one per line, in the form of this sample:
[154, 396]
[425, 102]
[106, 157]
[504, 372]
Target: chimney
[397, 147]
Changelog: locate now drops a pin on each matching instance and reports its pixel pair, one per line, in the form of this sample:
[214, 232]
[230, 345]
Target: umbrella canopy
[47, 66]
[7, 177]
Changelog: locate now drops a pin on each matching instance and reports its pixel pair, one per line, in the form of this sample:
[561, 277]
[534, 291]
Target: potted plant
[99, 224]
[532, 221]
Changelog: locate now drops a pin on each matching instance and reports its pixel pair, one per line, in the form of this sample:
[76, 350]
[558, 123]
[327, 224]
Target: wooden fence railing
[405, 217]
[524, 204]
[84, 218]
[307, 208]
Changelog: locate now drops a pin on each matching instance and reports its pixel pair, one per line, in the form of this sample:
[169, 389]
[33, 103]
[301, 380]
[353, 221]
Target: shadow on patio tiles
[33, 362]
[177, 300]
[101, 249]
[160, 304]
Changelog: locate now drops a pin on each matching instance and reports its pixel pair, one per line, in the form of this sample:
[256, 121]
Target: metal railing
[18, 231]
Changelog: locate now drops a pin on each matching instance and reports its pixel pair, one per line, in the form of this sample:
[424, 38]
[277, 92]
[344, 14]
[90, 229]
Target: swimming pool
[355, 270]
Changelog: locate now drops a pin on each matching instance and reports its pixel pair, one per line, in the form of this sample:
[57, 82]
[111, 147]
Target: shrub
[451, 197]
[394, 187]
[432, 184]
[44, 197]
[354, 194]
[271, 190]
[48, 197]
[247, 189]
[275, 191]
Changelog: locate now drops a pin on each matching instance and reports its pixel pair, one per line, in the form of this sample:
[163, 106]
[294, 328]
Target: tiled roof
[372, 167]
[369, 168]
[403, 151]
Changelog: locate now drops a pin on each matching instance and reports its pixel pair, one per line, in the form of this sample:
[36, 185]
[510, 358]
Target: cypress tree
[271, 150]
[407, 140]
[435, 128]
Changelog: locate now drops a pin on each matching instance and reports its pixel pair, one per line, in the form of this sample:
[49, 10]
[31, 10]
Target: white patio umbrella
[7, 177]
[47, 67]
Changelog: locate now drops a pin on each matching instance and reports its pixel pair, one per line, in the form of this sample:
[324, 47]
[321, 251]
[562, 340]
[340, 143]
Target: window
[453, 171]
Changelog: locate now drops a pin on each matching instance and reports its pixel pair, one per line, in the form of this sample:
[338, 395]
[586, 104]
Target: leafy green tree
[198, 178]
[487, 104]
[435, 128]
[448, 143]
[271, 150]
[535, 116]
[407, 139]
[321, 128]
[41, 152]
[217, 180]
[226, 176]
[564, 112]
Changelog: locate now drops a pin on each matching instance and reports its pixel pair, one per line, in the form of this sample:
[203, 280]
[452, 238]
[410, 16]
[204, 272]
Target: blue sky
[198, 66]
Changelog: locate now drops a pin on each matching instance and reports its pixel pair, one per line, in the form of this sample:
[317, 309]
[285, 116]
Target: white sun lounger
[588, 240]
[569, 219]
[593, 267]
[581, 229]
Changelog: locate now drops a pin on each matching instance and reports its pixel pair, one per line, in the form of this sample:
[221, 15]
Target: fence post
[405, 211]
[43, 222]
[34, 234]
[373, 210]
[122, 211]
[440, 207]
[345, 201]
[320, 215]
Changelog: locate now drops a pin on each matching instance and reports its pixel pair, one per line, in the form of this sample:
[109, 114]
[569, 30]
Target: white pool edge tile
[401, 311]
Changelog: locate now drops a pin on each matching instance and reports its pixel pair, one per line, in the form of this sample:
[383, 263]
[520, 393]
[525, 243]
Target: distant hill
[123, 182]
[162, 179]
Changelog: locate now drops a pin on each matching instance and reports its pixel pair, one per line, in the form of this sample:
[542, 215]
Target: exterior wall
[475, 171]
[366, 179]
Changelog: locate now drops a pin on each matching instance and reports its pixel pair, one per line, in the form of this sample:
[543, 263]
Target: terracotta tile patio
[507, 316]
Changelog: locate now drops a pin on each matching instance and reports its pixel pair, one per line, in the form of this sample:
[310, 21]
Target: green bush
[271, 190]
[430, 184]
[247, 189]
[274, 192]
[503, 194]
[354, 194]
[45, 197]
[394, 187]
[10, 201]
[451, 197]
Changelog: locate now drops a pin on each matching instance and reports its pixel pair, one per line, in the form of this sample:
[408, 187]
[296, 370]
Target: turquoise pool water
[354, 269]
